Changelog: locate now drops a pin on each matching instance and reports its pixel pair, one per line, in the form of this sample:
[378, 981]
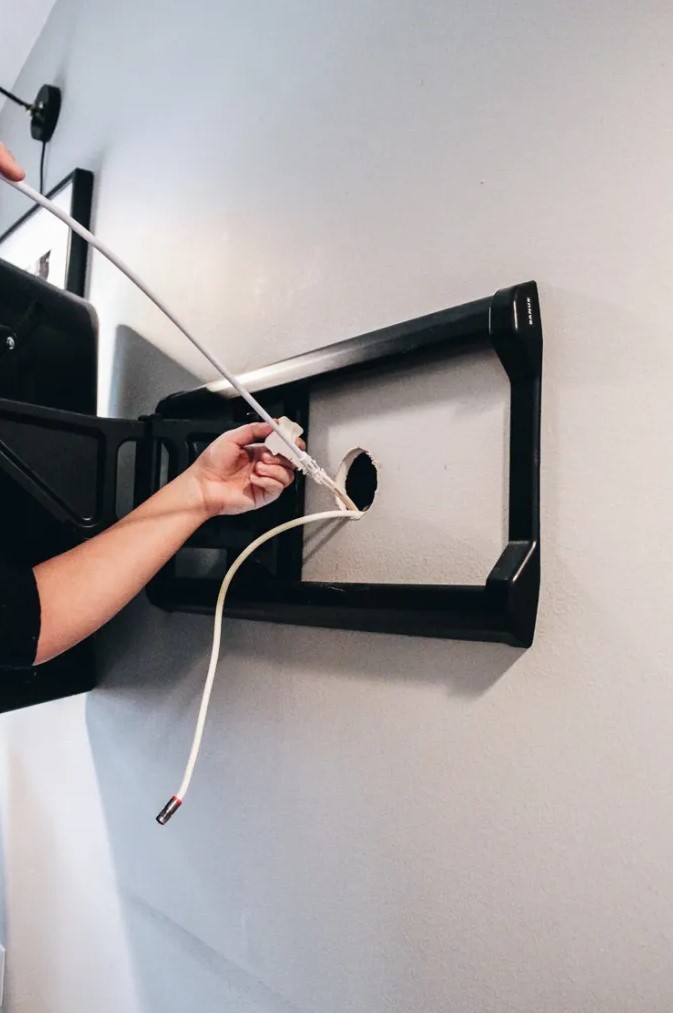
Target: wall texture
[19, 31]
[377, 823]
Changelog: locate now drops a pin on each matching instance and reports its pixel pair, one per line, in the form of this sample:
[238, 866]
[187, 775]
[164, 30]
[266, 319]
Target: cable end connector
[303, 461]
[322, 478]
[169, 810]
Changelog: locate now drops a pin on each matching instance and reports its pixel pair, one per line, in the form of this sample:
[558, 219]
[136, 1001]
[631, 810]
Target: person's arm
[82, 589]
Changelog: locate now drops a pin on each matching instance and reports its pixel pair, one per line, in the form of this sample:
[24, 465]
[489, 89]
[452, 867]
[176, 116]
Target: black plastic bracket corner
[68, 464]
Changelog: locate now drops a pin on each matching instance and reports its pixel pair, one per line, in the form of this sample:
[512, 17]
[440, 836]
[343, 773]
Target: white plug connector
[279, 446]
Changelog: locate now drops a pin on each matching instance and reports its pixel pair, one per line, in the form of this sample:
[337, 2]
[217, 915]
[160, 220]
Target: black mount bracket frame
[69, 464]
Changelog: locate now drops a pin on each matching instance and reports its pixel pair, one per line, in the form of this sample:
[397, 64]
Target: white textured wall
[20, 25]
[377, 824]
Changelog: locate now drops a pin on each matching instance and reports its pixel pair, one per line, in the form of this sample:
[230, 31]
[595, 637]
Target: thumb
[248, 434]
[9, 167]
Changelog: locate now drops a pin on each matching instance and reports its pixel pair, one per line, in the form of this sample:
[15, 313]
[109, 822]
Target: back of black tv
[48, 357]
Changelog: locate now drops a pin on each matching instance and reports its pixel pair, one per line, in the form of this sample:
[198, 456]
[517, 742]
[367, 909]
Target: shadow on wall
[466, 669]
[142, 375]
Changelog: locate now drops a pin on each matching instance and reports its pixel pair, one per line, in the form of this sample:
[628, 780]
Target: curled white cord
[306, 462]
[176, 801]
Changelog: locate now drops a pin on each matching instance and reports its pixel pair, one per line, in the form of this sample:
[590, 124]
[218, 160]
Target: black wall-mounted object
[48, 362]
[48, 344]
[44, 111]
[503, 609]
[66, 464]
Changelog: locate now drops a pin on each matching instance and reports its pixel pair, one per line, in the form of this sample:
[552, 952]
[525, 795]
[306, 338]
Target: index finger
[247, 434]
[9, 167]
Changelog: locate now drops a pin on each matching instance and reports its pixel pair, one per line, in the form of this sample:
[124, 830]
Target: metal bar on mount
[451, 331]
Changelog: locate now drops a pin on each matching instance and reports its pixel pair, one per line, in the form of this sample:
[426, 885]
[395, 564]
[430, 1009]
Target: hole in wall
[358, 476]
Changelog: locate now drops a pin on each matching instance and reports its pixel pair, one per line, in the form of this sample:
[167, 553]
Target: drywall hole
[359, 478]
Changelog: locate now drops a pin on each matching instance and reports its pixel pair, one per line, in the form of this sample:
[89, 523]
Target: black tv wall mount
[68, 463]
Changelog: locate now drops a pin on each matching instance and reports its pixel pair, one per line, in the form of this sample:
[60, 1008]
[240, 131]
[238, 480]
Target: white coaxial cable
[176, 801]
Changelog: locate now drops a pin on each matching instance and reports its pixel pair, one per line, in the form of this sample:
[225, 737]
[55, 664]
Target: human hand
[234, 477]
[9, 167]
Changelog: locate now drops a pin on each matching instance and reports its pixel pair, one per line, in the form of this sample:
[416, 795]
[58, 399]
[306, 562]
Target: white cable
[176, 801]
[306, 461]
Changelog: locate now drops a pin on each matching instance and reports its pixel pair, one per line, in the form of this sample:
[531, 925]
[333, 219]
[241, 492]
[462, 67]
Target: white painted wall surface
[377, 824]
[20, 25]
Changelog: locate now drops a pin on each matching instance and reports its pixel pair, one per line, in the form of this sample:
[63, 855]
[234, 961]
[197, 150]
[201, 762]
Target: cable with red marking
[176, 801]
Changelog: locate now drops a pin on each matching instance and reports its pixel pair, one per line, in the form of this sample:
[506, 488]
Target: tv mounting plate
[504, 608]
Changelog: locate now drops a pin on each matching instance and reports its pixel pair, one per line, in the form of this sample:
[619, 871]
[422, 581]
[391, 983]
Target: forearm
[84, 588]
